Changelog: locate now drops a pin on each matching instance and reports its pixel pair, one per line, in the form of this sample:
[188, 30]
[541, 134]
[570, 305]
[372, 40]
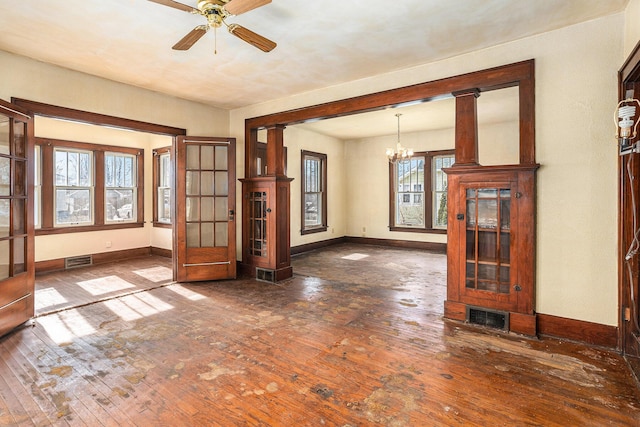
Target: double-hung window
[73, 187]
[163, 186]
[120, 187]
[314, 192]
[81, 186]
[418, 189]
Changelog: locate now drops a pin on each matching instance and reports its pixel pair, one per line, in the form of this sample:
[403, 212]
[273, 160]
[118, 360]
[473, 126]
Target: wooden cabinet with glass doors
[491, 246]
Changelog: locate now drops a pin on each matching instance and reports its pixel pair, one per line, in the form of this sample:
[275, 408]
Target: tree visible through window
[81, 186]
[120, 187]
[418, 188]
[314, 194]
[73, 187]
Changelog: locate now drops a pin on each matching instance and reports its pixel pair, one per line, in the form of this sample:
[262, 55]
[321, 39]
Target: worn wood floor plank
[355, 338]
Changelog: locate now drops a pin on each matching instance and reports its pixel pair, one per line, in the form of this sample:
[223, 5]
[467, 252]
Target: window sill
[419, 230]
[314, 230]
[162, 224]
[86, 228]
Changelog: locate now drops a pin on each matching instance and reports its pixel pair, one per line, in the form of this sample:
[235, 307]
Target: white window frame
[123, 214]
[90, 187]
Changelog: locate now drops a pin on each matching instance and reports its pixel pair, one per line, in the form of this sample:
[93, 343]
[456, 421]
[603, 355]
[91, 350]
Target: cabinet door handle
[518, 288]
[231, 215]
[460, 217]
[268, 210]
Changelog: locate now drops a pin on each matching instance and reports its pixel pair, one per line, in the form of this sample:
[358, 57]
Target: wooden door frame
[628, 340]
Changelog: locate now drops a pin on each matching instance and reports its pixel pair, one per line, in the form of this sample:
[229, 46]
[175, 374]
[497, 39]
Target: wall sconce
[400, 153]
[626, 126]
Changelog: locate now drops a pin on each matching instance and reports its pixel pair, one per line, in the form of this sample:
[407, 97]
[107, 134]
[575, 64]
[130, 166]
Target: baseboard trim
[429, 246]
[578, 330]
[295, 250]
[50, 265]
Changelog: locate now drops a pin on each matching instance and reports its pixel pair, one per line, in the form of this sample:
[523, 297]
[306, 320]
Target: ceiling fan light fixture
[252, 38]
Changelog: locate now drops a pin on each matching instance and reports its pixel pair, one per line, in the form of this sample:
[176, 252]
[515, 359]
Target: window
[314, 193]
[73, 188]
[410, 209]
[120, 187]
[81, 186]
[163, 187]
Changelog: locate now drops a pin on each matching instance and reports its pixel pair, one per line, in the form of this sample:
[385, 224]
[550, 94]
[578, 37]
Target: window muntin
[120, 187]
[314, 195]
[73, 187]
[419, 192]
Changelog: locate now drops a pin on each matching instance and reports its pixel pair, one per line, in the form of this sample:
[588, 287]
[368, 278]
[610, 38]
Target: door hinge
[627, 314]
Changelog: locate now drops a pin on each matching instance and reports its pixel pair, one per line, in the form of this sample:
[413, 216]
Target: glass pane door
[16, 224]
[488, 237]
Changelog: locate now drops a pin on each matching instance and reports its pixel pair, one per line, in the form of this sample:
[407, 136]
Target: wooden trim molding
[578, 330]
[409, 244]
[50, 265]
[57, 112]
[296, 250]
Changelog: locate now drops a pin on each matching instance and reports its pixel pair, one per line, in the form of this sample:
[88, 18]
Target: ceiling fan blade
[252, 38]
[176, 5]
[190, 39]
[237, 7]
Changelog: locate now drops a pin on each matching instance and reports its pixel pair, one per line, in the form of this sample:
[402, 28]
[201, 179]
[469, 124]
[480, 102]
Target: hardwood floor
[355, 338]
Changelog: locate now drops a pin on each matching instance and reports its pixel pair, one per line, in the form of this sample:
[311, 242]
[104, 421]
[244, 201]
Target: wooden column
[275, 258]
[275, 150]
[466, 128]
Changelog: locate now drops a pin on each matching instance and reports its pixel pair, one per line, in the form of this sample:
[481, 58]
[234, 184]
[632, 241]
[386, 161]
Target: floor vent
[491, 318]
[78, 261]
[265, 275]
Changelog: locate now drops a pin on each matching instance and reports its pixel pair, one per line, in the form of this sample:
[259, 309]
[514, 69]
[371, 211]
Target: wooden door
[204, 229]
[17, 267]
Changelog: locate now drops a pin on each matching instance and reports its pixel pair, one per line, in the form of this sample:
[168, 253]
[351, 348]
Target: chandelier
[400, 152]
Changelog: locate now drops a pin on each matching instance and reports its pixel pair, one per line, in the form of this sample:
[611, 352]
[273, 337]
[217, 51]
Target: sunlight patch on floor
[187, 293]
[105, 285]
[65, 326]
[48, 297]
[156, 274]
[355, 257]
[137, 306]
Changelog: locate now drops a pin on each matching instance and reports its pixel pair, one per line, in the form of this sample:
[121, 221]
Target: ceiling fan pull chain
[215, 40]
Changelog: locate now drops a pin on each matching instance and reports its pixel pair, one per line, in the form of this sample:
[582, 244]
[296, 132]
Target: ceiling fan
[216, 11]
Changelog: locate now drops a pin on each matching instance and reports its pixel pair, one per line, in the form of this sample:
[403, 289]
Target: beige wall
[575, 97]
[631, 27]
[25, 78]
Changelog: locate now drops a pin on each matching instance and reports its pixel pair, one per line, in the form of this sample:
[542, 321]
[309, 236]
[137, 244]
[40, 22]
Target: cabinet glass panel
[193, 157]
[5, 205]
[193, 235]
[206, 183]
[221, 158]
[5, 126]
[4, 259]
[488, 239]
[258, 223]
[19, 265]
[222, 234]
[206, 235]
[206, 157]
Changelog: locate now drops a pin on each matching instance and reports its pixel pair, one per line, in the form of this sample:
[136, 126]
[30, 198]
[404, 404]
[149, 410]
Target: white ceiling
[320, 42]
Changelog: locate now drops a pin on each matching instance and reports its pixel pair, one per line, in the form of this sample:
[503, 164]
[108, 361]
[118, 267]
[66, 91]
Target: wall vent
[491, 318]
[265, 275]
[78, 261]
